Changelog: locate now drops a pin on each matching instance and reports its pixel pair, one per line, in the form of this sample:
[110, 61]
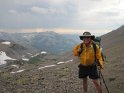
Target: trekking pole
[104, 81]
[100, 79]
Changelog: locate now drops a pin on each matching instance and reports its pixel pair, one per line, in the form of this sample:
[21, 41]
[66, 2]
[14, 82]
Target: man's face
[87, 39]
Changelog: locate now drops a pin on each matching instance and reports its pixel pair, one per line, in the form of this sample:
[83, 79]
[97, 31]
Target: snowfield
[4, 57]
[6, 43]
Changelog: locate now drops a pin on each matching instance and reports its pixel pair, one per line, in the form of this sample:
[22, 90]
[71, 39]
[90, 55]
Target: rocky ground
[114, 73]
[62, 78]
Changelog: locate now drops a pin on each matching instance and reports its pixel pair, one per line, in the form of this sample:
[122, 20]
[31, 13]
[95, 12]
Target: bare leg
[97, 85]
[85, 85]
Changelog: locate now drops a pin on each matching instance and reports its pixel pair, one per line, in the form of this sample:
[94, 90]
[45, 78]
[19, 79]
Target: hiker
[88, 59]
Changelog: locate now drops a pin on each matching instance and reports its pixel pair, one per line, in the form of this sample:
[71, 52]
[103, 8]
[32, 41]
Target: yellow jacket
[87, 57]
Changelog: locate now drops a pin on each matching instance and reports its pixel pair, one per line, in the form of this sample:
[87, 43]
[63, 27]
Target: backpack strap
[95, 48]
[96, 61]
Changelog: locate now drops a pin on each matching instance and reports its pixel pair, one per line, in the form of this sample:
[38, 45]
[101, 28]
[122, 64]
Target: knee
[84, 79]
[96, 82]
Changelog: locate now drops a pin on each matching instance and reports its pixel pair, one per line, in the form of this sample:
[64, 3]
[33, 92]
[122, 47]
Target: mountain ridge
[47, 41]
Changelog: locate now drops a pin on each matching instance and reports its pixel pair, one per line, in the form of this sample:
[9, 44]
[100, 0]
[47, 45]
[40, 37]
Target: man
[87, 56]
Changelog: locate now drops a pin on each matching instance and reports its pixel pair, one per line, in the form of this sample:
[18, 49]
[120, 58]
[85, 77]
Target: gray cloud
[41, 10]
[81, 14]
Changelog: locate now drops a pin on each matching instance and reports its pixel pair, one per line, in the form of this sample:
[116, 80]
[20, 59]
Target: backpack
[97, 40]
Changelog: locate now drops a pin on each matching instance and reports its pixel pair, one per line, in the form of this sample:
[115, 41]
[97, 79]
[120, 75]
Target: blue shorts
[90, 71]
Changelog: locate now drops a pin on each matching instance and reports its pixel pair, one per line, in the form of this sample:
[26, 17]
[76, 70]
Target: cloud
[47, 10]
[12, 11]
[93, 15]
[39, 10]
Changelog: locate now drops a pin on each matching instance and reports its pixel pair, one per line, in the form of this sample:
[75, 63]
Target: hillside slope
[113, 43]
[113, 46]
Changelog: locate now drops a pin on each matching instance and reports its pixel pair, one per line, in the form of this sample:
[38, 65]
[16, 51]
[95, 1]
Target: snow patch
[6, 43]
[4, 57]
[35, 55]
[69, 61]
[43, 52]
[29, 53]
[46, 66]
[60, 63]
[15, 66]
[18, 71]
[65, 62]
[55, 65]
[25, 59]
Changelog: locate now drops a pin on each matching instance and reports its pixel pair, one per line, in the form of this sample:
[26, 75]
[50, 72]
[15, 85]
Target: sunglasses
[87, 37]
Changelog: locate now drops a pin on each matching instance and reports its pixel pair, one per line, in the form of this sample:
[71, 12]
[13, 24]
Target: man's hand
[100, 67]
[79, 50]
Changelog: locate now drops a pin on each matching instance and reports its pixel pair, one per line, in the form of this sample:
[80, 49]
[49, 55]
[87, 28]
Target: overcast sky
[63, 16]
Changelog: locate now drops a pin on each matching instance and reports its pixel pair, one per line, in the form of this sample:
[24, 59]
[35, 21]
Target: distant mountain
[23, 39]
[47, 41]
